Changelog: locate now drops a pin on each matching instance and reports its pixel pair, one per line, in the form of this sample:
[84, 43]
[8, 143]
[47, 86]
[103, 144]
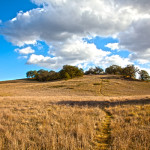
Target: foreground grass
[41, 125]
[93, 112]
[130, 127]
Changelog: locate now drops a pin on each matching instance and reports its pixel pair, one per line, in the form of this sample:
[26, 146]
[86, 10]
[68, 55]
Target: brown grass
[131, 127]
[96, 85]
[93, 112]
[39, 124]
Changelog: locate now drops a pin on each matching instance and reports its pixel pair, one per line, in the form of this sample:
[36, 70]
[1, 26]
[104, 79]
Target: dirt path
[103, 137]
[101, 86]
[102, 140]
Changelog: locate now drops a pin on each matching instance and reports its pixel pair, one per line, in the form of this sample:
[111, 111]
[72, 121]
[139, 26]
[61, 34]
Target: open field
[93, 112]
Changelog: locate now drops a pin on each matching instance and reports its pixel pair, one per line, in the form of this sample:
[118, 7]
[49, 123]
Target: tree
[31, 74]
[90, 71]
[96, 70]
[130, 71]
[42, 75]
[66, 73]
[66, 76]
[144, 75]
[114, 69]
[53, 75]
[72, 71]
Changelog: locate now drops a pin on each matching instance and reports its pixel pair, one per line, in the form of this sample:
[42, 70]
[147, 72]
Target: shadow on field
[105, 103]
[111, 77]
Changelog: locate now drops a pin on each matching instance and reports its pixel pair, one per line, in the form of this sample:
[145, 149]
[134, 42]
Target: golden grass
[130, 127]
[91, 85]
[93, 112]
[39, 124]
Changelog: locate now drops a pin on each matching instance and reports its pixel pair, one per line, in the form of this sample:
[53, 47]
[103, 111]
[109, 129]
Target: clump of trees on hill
[67, 72]
[128, 72]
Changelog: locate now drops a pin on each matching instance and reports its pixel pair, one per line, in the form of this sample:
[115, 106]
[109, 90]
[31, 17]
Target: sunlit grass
[81, 113]
[41, 125]
[131, 127]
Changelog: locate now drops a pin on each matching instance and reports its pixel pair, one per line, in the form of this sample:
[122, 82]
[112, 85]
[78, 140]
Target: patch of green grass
[57, 86]
[105, 80]
[97, 83]
[69, 88]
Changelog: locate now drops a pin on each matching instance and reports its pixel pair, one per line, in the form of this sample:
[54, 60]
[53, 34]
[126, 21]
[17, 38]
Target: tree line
[129, 71]
[69, 72]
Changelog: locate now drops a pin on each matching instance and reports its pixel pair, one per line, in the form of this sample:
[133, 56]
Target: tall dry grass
[29, 119]
[130, 127]
[41, 125]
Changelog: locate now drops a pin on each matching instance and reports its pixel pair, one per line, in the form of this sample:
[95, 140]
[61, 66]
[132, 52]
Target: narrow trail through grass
[100, 88]
[103, 136]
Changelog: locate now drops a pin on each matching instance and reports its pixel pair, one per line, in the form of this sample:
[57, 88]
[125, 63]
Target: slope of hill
[98, 85]
[93, 112]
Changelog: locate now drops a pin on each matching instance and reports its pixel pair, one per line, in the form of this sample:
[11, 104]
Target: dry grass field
[89, 113]
[130, 127]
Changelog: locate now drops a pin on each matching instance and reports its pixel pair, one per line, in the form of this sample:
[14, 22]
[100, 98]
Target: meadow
[89, 113]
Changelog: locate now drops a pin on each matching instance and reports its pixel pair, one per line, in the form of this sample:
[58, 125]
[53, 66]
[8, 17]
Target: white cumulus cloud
[59, 20]
[112, 46]
[62, 24]
[72, 52]
[115, 60]
[25, 51]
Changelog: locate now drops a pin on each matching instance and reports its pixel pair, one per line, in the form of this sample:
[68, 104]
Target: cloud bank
[63, 24]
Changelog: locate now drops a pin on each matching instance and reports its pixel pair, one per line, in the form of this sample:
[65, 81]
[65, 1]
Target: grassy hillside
[98, 85]
[93, 112]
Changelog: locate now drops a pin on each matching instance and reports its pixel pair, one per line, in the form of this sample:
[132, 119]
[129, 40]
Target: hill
[93, 112]
[89, 85]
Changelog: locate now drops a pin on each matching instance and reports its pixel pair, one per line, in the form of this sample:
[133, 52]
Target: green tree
[96, 70]
[90, 71]
[53, 75]
[66, 73]
[144, 75]
[42, 75]
[66, 76]
[130, 71]
[72, 71]
[114, 69]
[31, 74]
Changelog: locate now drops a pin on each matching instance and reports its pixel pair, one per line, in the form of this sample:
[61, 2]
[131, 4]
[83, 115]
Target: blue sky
[11, 67]
[48, 34]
